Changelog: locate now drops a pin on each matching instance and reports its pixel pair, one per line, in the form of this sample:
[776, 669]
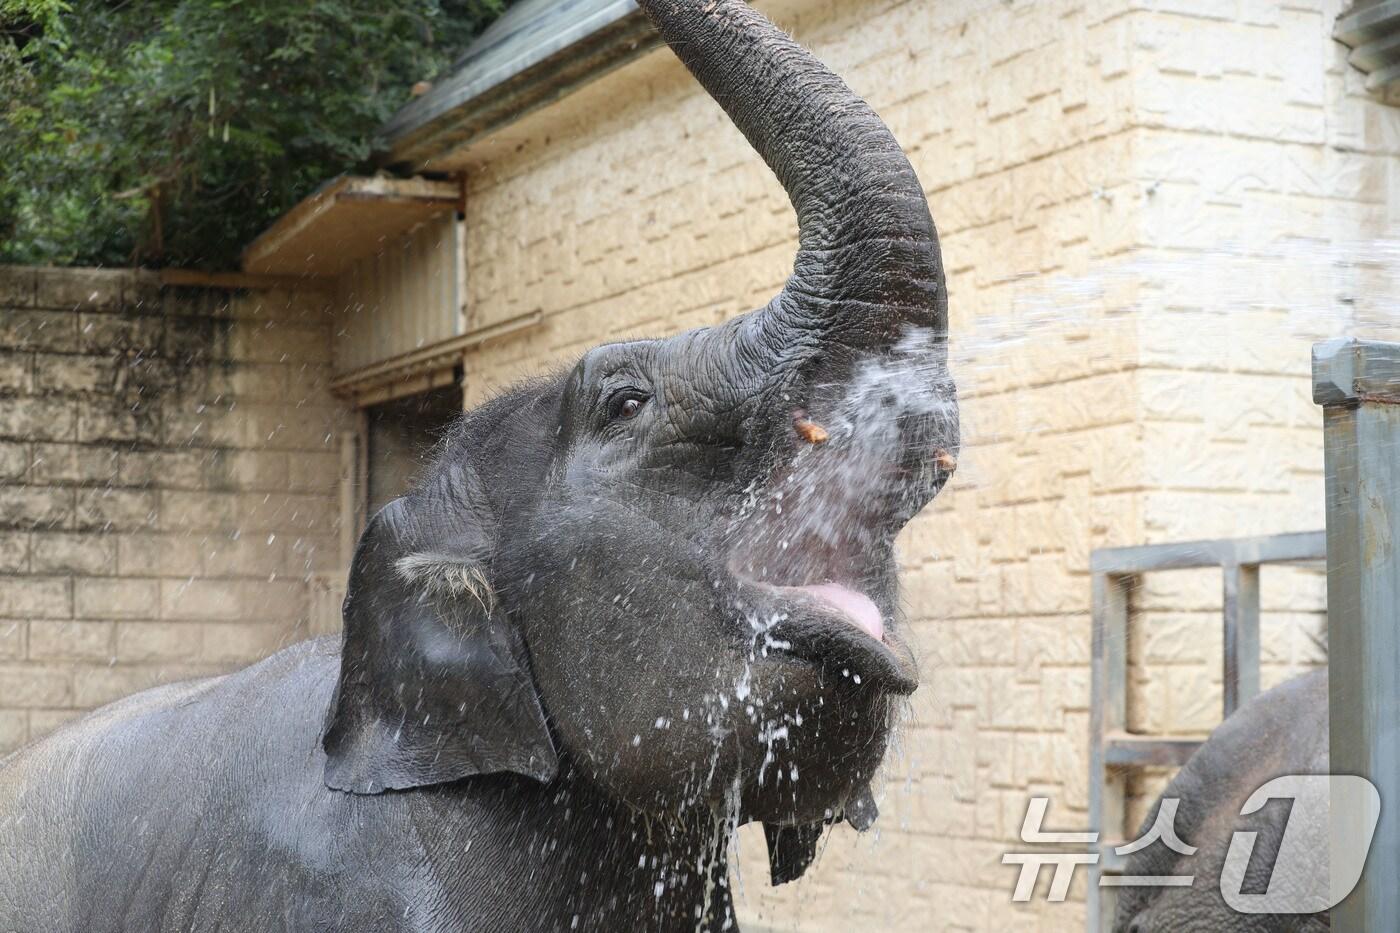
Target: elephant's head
[673, 565]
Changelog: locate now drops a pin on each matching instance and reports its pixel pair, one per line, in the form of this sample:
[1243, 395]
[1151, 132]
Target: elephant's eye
[626, 405]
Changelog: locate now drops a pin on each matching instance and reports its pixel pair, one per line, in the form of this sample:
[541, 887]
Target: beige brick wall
[1268, 203]
[168, 482]
[1149, 210]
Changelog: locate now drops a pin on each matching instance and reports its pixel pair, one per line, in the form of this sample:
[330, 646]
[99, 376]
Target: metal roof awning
[345, 220]
[422, 369]
[1371, 29]
[537, 52]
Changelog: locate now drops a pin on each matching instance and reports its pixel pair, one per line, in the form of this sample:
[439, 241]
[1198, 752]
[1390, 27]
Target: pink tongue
[855, 606]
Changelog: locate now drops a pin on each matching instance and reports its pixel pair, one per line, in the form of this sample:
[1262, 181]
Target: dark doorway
[401, 437]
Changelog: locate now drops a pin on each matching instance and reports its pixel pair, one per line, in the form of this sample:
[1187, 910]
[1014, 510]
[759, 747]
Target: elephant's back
[1280, 732]
[181, 807]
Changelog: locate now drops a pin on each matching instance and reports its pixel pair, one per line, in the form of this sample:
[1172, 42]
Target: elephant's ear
[435, 683]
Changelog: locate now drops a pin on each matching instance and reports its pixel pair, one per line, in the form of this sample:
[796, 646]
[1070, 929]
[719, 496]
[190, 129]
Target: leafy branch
[173, 131]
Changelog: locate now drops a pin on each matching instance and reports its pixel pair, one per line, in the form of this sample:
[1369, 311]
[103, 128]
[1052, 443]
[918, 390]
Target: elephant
[1282, 731]
[629, 606]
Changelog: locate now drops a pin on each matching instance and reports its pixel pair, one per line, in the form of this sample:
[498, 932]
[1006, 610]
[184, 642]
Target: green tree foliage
[173, 131]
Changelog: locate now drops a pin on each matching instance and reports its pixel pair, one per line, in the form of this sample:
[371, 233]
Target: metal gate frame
[1112, 749]
[1357, 383]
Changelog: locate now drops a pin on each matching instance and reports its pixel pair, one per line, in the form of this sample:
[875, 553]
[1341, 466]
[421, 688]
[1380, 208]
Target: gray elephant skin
[629, 607]
[1280, 732]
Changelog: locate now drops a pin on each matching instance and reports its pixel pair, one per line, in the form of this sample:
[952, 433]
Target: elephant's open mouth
[812, 557]
[813, 564]
[858, 608]
[835, 626]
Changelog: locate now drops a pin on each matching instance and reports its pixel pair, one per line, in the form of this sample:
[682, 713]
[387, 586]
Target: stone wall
[168, 484]
[1146, 211]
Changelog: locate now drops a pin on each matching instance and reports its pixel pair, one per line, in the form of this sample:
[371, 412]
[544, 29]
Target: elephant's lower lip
[840, 629]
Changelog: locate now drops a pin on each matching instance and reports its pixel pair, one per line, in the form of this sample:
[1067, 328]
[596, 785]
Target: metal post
[1108, 715]
[1241, 600]
[1358, 384]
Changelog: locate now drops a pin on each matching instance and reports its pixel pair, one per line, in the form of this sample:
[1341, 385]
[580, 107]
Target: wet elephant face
[707, 580]
[674, 566]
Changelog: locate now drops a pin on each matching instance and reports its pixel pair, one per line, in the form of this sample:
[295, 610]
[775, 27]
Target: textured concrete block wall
[1261, 179]
[168, 481]
[1145, 209]
[1268, 213]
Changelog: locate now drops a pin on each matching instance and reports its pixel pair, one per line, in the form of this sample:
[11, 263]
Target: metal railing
[1357, 382]
[1114, 751]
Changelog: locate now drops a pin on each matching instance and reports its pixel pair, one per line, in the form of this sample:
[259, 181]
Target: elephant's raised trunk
[869, 254]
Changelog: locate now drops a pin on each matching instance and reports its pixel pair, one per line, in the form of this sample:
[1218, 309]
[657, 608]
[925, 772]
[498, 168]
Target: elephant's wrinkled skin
[1280, 732]
[629, 607]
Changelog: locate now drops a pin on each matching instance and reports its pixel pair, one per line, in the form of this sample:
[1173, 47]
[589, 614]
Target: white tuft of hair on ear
[446, 576]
